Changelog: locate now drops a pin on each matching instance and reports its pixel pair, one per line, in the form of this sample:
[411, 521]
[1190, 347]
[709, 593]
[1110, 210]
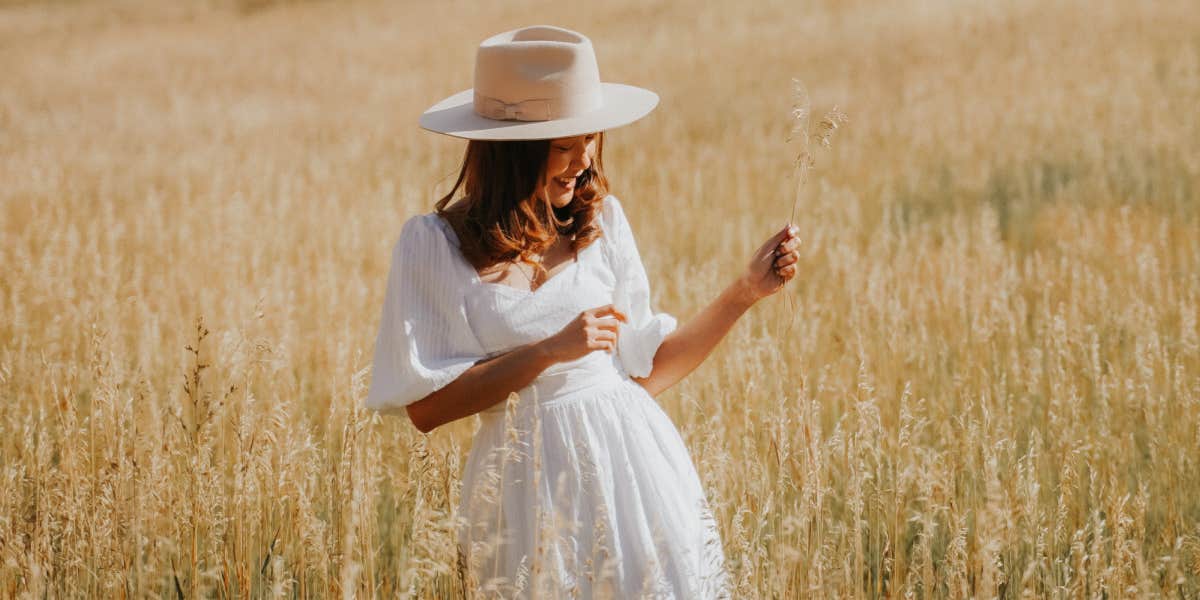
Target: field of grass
[985, 382]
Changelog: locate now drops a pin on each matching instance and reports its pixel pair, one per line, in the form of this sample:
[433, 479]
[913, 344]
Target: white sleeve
[424, 340]
[638, 339]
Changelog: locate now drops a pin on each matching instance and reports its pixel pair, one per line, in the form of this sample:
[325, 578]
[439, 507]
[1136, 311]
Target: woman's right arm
[487, 382]
[491, 380]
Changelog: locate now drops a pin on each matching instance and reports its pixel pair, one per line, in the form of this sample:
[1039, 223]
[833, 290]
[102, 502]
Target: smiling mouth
[567, 183]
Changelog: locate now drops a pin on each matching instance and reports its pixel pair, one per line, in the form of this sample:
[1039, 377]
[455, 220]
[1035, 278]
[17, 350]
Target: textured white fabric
[581, 485]
[643, 333]
[424, 340]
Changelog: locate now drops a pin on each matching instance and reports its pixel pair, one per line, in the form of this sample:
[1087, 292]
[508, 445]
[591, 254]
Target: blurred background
[984, 382]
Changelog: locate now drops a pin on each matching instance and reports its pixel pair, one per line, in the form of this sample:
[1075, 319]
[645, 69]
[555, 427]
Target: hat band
[536, 109]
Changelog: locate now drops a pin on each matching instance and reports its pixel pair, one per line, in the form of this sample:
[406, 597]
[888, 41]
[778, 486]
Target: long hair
[501, 217]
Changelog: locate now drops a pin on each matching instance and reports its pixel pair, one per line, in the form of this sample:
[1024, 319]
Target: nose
[582, 161]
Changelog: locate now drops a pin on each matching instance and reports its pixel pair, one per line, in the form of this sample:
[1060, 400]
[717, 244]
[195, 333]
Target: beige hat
[537, 83]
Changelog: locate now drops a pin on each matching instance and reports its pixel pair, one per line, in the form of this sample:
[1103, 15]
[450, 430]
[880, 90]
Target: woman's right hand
[594, 329]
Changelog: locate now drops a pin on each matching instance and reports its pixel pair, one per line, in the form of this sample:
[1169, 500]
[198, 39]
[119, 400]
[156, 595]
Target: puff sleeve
[639, 338]
[424, 340]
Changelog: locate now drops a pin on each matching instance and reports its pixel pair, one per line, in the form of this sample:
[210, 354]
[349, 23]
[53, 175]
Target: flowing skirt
[586, 494]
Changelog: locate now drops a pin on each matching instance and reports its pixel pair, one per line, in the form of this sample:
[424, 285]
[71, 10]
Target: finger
[605, 336]
[609, 310]
[772, 243]
[784, 244]
[787, 272]
[606, 325]
[606, 341]
[593, 315]
[791, 245]
[786, 259]
[780, 236]
[597, 310]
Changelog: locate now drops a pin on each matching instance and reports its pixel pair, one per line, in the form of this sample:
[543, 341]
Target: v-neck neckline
[562, 272]
[452, 236]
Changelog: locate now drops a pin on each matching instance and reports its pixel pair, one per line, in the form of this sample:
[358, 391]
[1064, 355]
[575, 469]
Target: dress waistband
[558, 388]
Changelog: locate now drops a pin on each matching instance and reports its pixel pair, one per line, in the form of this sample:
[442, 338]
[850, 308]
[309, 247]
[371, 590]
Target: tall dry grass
[992, 385]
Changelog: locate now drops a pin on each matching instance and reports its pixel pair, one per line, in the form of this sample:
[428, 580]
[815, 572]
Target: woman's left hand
[773, 264]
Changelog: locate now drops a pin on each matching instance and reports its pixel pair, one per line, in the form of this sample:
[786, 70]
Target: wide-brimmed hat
[536, 83]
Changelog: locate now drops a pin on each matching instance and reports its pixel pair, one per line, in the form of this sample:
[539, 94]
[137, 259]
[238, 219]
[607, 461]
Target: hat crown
[537, 73]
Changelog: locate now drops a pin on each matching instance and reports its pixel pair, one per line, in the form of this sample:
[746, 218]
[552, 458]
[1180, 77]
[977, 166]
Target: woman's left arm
[682, 350]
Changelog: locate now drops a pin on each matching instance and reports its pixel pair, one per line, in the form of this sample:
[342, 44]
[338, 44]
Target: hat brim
[456, 116]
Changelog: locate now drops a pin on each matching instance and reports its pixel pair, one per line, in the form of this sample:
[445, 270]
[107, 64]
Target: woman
[527, 280]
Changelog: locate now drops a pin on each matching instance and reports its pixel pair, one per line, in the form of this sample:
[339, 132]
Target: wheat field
[984, 382]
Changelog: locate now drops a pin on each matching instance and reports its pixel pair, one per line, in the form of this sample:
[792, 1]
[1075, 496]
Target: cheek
[556, 165]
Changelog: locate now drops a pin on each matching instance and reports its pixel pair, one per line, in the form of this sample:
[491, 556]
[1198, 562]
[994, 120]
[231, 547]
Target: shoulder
[421, 234]
[612, 214]
[611, 207]
[617, 235]
[424, 252]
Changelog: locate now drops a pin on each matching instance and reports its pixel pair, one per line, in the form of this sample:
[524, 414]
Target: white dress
[581, 487]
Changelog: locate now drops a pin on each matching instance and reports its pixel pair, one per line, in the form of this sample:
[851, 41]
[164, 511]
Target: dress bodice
[503, 317]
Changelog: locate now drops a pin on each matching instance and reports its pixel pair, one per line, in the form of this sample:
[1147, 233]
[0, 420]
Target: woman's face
[569, 158]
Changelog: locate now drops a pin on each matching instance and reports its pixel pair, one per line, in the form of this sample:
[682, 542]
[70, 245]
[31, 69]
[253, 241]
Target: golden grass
[992, 387]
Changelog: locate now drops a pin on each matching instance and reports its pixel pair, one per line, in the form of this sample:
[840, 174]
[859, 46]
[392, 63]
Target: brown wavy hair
[501, 217]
